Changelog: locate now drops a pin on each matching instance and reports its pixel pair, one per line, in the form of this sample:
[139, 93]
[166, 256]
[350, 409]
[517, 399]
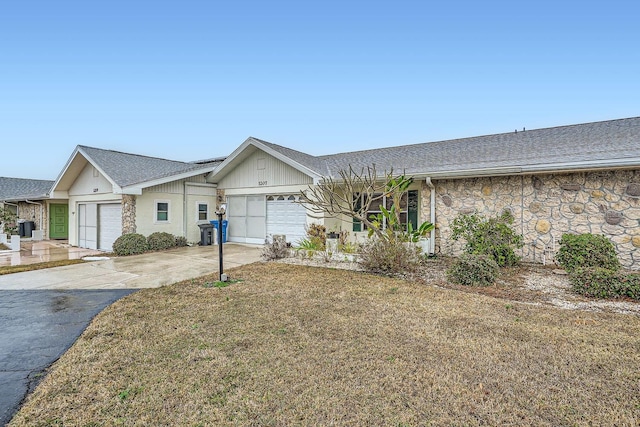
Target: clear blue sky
[193, 79]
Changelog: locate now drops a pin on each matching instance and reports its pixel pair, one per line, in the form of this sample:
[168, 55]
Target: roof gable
[129, 172]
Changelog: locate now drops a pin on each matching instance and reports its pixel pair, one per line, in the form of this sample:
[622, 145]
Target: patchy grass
[8, 269]
[296, 345]
[4, 247]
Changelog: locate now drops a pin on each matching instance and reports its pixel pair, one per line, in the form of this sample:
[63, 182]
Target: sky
[191, 79]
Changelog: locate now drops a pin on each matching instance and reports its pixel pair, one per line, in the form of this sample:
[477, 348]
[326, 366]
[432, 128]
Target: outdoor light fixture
[220, 212]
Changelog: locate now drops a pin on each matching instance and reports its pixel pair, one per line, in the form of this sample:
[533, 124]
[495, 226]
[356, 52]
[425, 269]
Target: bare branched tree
[351, 195]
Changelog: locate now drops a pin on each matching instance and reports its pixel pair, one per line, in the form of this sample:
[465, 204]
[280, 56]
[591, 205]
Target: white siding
[260, 169]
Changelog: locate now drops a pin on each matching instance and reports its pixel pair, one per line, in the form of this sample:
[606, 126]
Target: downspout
[184, 209]
[432, 216]
[41, 211]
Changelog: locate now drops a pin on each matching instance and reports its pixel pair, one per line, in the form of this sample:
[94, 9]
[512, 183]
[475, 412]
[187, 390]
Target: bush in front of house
[181, 241]
[585, 251]
[473, 269]
[130, 244]
[601, 282]
[493, 236]
[389, 257]
[160, 240]
[275, 250]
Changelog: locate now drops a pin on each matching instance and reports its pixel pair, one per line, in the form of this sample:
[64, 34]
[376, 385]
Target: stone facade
[36, 213]
[128, 214]
[219, 198]
[545, 207]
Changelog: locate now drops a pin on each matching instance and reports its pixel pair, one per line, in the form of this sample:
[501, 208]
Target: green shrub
[181, 241]
[317, 235]
[389, 257]
[585, 251]
[473, 269]
[600, 282]
[493, 236]
[130, 244]
[160, 240]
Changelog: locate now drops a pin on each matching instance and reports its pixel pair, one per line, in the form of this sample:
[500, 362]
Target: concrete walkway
[149, 270]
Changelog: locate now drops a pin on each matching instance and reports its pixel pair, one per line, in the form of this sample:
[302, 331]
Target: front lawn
[297, 345]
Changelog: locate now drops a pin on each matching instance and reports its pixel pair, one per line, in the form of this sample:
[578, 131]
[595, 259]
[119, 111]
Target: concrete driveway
[43, 312]
[149, 270]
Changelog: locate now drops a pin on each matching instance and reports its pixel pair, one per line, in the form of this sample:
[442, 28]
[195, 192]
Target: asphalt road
[37, 327]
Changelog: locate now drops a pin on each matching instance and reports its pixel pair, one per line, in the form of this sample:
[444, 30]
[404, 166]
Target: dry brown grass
[296, 345]
[9, 269]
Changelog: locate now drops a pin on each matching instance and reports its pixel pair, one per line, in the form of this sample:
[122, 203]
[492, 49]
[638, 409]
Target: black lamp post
[220, 212]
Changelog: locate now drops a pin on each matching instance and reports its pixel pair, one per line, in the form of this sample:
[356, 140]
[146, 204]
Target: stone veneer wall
[219, 198]
[128, 214]
[545, 207]
[31, 212]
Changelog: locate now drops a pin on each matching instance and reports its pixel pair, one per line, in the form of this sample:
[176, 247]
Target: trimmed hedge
[600, 282]
[587, 251]
[130, 244]
[474, 270]
[160, 240]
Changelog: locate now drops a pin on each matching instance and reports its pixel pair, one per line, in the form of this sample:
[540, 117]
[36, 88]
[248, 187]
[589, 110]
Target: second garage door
[109, 225]
[286, 217]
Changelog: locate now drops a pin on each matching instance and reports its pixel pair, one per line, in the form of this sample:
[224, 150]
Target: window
[408, 209]
[162, 211]
[203, 211]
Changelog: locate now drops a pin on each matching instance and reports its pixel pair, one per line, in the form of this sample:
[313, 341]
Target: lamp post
[220, 212]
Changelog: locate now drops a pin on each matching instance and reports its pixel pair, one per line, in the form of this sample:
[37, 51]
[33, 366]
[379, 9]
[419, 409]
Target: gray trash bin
[206, 234]
[29, 226]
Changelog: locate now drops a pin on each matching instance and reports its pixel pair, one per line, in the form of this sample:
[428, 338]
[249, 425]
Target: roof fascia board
[116, 187]
[533, 169]
[305, 170]
[64, 169]
[136, 189]
[251, 141]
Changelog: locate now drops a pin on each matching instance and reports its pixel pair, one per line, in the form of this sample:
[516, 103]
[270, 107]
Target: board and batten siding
[261, 170]
[176, 187]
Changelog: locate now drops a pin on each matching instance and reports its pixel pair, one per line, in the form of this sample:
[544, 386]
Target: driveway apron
[37, 328]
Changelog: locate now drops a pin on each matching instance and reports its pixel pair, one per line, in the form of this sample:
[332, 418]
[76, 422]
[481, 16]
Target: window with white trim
[203, 211]
[408, 209]
[162, 210]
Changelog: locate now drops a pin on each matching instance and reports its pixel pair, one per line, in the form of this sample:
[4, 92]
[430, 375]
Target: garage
[109, 225]
[99, 225]
[254, 218]
[286, 217]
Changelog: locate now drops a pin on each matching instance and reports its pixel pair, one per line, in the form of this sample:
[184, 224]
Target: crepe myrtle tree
[354, 192]
[8, 221]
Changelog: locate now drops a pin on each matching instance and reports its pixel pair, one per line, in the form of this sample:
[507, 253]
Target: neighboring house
[28, 199]
[567, 179]
[110, 193]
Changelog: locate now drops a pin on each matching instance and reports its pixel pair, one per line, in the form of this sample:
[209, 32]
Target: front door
[58, 221]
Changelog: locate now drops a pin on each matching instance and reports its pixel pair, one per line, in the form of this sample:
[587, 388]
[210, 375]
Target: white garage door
[109, 225]
[246, 216]
[88, 225]
[286, 217]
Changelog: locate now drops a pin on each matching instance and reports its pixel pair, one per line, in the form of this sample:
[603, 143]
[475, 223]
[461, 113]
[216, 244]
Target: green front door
[58, 221]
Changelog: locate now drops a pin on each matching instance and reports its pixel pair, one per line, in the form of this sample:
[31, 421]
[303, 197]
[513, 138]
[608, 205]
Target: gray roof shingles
[131, 169]
[15, 189]
[582, 143]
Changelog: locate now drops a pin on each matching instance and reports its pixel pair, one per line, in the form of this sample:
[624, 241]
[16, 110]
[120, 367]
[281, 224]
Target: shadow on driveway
[37, 328]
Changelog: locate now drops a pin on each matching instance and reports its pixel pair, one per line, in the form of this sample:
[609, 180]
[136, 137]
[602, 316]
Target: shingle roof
[13, 189]
[130, 169]
[590, 145]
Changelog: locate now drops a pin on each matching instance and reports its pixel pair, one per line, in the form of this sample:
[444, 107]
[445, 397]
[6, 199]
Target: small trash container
[225, 224]
[29, 226]
[206, 234]
[21, 227]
